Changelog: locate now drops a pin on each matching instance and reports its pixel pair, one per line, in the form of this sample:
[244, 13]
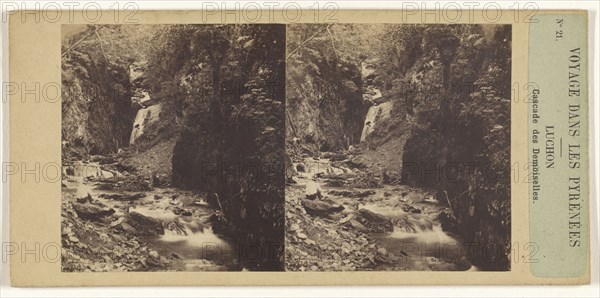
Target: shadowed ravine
[385, 228]
[186, 241]
[155, 111]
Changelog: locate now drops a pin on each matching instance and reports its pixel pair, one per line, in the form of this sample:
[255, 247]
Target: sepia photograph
[306, 147]
[398, 147]
[299, 148]
[173, 144]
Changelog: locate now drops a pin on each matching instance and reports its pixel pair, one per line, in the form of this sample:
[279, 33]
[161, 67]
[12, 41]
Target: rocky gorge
[192, 147]
[363, 225]
[403, 151]
[145, 109]
[113, 220]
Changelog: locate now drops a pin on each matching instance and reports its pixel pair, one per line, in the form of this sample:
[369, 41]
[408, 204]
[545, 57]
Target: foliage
[223, 87]
[96, 109]
[451, 89]
[324, 85]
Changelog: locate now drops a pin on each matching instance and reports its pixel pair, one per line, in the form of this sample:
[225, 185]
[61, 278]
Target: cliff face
[324, 96]
[96, 108]
[452, 111]
[223, 88]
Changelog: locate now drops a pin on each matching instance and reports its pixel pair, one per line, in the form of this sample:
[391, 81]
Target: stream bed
[399, 223]
[188, 242]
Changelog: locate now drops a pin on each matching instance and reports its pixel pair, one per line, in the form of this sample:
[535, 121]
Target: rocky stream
[115, 220]
[361, 224]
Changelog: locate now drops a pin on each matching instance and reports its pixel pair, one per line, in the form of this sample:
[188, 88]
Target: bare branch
[79, 41]
[306, 41]
[101, 46]
[332, 43]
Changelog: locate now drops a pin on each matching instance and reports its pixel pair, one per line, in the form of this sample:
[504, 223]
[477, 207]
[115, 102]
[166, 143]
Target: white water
[201, 238]
[375, 114]
[144, 117]
[435, 234]
[198, 248]
[418, 240]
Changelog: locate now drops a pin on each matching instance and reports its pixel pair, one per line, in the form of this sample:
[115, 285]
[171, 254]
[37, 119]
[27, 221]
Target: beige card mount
[342, 148]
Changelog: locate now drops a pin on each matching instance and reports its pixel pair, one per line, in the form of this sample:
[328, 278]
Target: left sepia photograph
[173, 142]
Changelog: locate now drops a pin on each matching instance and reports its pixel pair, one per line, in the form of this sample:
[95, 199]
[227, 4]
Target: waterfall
[369, 122]
[375, 114]
[372, 94]
[143, 117]
[149, 110]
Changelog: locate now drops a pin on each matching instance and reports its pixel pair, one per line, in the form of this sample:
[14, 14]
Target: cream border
[34, 130]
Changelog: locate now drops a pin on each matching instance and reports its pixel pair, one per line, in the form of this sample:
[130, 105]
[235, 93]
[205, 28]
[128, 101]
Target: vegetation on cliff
[445, 92]
[452, 90]
[220, 129]
[97, 114]
[225, 91]
[324, 87]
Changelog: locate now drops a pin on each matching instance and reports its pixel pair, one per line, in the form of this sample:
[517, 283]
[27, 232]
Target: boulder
[448, 222]
[374, 222]
[86, 199]
[101, 159]
[336, 183]
[141, 225]
[154, 254]
[410, 209]
[181, 211]
[352, 194]
[123, 197]
[356, 162]
[357, 225]
[91, 212]
[334, 156]
[347, 218]
[321, 208]
[70, 171]
[83, 194]
[117, 222]
[301, 168]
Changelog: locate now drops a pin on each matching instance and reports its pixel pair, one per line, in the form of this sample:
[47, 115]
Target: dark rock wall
[230, 103]
[325, 109]
[96, 109]
[459, 139]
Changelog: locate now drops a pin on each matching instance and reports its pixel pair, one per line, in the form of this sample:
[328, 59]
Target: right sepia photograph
[398, 147]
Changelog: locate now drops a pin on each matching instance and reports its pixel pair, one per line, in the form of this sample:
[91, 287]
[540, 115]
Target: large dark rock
[86, 199]
[233, 143]
[91, 212]
[321, 208]
[141, 225]
[448, 222]
[410, 209]
[356, 162]
[102, 159]
[105, 125]
[334, 156]
[352, 194]
[374, 222]
[336, 119]
[181, 211]
[123, 197]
